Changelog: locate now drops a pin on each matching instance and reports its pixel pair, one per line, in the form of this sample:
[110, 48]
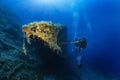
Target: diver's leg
[79, 61]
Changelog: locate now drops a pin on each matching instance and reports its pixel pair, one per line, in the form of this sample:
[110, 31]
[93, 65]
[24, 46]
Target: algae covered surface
[45, 31]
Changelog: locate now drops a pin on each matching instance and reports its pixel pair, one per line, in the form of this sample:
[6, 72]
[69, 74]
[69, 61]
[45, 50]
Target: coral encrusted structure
[47, 32]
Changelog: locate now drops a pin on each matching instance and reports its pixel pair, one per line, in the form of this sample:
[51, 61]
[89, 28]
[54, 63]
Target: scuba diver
[80, 44]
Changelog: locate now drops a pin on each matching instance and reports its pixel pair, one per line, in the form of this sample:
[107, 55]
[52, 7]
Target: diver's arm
[65, 43]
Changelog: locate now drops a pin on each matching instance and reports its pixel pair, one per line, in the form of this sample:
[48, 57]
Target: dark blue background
[103, 34]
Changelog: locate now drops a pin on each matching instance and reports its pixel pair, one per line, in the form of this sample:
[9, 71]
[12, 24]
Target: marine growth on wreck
[46, 31]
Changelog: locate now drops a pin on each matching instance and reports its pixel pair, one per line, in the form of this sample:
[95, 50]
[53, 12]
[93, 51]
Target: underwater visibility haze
[59, 40]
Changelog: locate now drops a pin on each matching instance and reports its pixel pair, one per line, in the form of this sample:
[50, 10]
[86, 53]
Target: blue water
[96, 20]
